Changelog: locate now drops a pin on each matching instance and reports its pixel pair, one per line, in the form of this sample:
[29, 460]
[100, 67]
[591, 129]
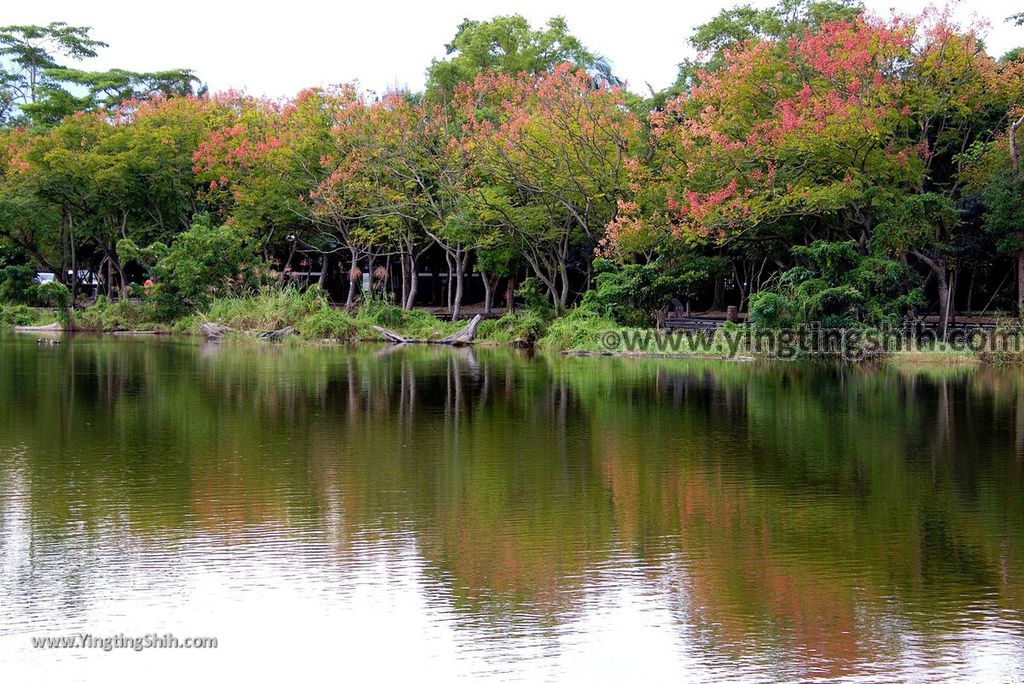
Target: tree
[406, 166]
[26, 221]
[100, 177]
[549, 159]
[639, 294]
[819, 135]
[36, 86]
[66, 168]
[112, 87]
[201, 262]
[837, 286]
[299, 169]
[994, 173]
[788, 141]
[926, 227]
[508, 45]
[31, 51]
[733, 27]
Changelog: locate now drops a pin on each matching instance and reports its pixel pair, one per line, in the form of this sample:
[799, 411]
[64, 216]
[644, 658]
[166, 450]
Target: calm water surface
[431, 514]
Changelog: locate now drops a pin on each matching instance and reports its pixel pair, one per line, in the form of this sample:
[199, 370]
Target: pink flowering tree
[549, 157]
[819, 136]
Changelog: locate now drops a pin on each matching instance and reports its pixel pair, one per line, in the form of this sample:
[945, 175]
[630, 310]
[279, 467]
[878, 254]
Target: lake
[429, 514]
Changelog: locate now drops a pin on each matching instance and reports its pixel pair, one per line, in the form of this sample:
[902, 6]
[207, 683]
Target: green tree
[509, 45]
[549, 160]
[36, 86]
[926, 227]
[639, 294]
[836, 286]
[30, 52]
[114, 86]
[202, 262]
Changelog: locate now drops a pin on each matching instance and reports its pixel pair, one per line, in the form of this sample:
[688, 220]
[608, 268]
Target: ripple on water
[437, 514]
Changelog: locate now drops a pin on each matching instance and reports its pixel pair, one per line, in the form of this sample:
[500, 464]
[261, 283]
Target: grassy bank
[309, 313]
[314, 320]
[18, 314]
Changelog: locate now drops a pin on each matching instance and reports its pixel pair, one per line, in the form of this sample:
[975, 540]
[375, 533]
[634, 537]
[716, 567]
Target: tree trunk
[405, 279]
[954, 281]
[122, 281]
[488, 292]
[970, 293]
[448, 282]
[1015, 165]
[435, 276]
[350, 299]
[718, 303]
[414, 280]
[510, 293]
[322, 280]
[563, 296]
[460, 277]
[942, 284]
[1020, 284]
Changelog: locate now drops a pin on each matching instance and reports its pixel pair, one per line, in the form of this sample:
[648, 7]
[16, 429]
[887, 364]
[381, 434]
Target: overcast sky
[277, 48]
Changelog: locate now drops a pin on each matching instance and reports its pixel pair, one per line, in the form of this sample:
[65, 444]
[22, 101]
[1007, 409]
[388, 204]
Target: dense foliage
[815, 164]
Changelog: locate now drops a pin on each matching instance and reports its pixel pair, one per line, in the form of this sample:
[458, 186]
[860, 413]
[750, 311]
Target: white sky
[278, 48]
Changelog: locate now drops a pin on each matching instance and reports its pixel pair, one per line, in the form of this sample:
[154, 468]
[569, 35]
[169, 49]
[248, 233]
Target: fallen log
[278, 335]
[466, 335]
[461, 338]
[390, 335]
[52, 327]
[213, 331]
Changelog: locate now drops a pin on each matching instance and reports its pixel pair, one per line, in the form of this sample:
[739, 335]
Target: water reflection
[436, 513]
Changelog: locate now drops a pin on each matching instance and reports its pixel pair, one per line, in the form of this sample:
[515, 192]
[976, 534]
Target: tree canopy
[813, 162]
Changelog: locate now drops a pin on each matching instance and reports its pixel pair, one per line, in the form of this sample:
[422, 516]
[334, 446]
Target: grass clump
[270, 309]
[186, 325]
[19, 314]
[310, 313]
[328, 323]
[518, 328]
[414, 325]
[107, 316]
[580, 330]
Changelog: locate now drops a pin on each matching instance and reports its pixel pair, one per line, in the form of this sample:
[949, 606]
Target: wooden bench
[692, 323]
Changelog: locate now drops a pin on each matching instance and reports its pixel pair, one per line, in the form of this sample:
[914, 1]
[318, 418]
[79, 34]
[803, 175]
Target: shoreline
[906, 358]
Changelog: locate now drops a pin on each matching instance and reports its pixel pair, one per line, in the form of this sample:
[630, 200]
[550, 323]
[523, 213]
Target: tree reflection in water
[802, 520]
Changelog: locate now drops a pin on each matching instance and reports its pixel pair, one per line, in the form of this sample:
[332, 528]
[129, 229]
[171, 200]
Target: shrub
[270, 309]
[202, 263]
[381, 311]
[188, 325]
[53, 294]
[107, 315]
[770, 310]
[633, 294]
[19, 314]
[521, 328]
[838, 288]
[534, 296]
[308, 311]
[16, 285]
[581, 330]
[418, 325]
[58, 296]
[328, 323]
